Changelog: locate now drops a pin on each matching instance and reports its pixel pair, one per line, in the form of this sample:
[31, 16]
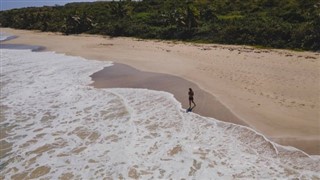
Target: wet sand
[124, 76]
[276, 92]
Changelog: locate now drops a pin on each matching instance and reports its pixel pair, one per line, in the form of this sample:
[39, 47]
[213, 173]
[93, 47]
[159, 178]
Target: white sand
[275, 91]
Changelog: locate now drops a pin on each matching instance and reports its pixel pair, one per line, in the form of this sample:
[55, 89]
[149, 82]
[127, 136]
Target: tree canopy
[293, 24]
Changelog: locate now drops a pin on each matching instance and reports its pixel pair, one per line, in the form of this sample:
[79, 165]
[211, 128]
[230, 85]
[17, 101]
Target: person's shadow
[191, 108]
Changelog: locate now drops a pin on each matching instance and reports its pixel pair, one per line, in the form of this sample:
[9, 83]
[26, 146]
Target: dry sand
[124, 76]
[276, 92]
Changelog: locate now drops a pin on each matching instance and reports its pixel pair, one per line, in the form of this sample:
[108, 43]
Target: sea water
[5, 37]
[55, 126]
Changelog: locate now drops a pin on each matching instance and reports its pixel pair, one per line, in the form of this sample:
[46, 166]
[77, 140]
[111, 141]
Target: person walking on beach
[191, 94]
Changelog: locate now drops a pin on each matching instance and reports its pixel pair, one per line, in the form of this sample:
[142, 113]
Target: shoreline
[59, 126]
[124, 76]
[255, 84]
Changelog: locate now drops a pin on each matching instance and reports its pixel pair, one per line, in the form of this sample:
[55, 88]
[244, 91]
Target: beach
[124, 76]
[69, 117]
[275, 92]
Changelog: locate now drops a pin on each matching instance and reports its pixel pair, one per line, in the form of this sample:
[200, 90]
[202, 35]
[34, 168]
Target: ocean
[55, 126]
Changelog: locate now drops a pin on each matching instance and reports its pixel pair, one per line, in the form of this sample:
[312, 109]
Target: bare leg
[194, 104]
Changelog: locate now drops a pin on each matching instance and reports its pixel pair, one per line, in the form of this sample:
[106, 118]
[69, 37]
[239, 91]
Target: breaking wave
[55, 126]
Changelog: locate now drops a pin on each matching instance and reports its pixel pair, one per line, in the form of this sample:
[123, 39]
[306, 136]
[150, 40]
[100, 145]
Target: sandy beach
[276, 92]
[124, 76]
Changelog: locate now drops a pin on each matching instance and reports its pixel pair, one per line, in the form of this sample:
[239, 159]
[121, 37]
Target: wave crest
[58, 127]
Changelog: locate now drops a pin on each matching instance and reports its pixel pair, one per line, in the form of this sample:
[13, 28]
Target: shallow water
[124, 76]
[55, 126]
[6, 37]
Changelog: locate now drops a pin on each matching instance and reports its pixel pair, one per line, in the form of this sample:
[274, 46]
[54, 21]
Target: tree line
[292, 24]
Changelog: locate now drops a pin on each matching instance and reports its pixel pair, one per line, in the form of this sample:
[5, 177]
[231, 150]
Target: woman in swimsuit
[191, 93]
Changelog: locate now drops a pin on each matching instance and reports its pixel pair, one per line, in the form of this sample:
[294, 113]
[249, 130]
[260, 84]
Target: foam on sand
[6, 37]
[55, 126]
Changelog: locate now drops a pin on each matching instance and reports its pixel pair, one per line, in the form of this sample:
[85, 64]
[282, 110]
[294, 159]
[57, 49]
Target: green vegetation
[293, 24]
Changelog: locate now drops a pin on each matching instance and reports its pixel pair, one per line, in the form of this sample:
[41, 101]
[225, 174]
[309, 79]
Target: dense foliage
[293, 24]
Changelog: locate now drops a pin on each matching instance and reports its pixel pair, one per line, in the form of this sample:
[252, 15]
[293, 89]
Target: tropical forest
[288, 24]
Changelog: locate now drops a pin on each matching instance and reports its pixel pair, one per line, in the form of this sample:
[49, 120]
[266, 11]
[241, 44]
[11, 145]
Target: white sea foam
[58, 127]
[5, 36]
[2, 36]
